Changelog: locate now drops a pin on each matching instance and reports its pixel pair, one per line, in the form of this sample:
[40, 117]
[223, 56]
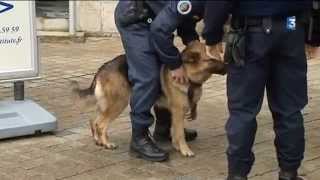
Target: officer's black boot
[286, 175]
[163, 125]
[231, 177]
[142, 146]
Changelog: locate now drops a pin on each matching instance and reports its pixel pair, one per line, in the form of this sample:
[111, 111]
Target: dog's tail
[83, 93]
[83, 98]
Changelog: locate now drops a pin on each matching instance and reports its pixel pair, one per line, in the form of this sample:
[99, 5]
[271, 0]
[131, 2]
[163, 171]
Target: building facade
[91, 17]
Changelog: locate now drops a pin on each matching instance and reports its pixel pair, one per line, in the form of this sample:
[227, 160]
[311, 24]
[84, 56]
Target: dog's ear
[190, 56]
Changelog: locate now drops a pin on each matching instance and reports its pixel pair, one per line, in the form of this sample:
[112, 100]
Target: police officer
[146, 29]
[267, 52]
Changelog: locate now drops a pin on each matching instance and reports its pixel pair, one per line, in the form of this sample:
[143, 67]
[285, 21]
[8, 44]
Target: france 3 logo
[291, 23]
[4, 7]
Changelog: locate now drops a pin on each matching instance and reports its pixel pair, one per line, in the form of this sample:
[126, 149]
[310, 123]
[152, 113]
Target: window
[52, 9]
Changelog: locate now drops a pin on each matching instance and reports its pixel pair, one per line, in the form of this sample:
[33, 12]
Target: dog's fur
[111, 90]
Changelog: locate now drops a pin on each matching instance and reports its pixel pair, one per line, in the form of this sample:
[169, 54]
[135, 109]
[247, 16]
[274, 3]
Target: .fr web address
[15, 41]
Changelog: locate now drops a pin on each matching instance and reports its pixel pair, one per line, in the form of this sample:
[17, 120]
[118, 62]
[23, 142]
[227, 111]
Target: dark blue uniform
[274, 60]
[147, 46]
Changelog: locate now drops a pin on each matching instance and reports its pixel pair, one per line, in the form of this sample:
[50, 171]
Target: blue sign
[5, 7]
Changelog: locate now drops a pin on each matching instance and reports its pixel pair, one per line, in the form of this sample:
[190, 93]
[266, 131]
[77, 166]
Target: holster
[235, 46]
[137, 12]
[313, 26]
[235, 51]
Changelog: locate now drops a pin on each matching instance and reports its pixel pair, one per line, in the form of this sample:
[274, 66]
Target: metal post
[72, 17]
[18, 90]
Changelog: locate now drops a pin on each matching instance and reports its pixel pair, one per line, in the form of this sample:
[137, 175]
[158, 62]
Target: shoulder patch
[184, 7]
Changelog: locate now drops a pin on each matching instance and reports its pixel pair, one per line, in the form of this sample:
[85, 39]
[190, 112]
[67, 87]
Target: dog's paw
[187, 152]
[97, 142]
[110, 146]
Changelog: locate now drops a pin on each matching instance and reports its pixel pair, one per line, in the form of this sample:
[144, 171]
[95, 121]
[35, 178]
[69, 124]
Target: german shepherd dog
[111, 90]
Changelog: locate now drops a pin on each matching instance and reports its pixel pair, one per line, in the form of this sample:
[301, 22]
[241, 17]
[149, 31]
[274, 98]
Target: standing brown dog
[111, 90]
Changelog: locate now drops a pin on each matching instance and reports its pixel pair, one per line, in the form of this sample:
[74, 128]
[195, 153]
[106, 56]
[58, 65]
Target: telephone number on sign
[9, 29]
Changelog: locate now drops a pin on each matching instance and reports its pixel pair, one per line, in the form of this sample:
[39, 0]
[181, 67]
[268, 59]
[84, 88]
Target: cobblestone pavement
[70, 153]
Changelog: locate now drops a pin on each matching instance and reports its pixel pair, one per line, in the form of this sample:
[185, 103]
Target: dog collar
[194, 84]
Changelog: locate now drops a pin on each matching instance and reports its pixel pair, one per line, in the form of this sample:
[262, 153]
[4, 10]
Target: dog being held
[111, 90]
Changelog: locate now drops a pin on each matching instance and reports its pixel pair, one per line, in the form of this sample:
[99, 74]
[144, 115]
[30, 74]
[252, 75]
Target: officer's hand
[179, 75]
[216, 51]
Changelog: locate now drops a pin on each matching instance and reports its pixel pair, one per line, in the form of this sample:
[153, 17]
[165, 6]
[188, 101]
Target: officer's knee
[238, 127]
[293, 120]
[144, 77]
[152, 80]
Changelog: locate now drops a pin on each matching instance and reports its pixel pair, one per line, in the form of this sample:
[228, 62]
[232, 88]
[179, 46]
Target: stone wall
[96, 17]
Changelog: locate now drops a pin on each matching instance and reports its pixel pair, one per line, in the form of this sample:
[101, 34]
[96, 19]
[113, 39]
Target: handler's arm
[187, 31]
[215, 16]
[162, 28]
